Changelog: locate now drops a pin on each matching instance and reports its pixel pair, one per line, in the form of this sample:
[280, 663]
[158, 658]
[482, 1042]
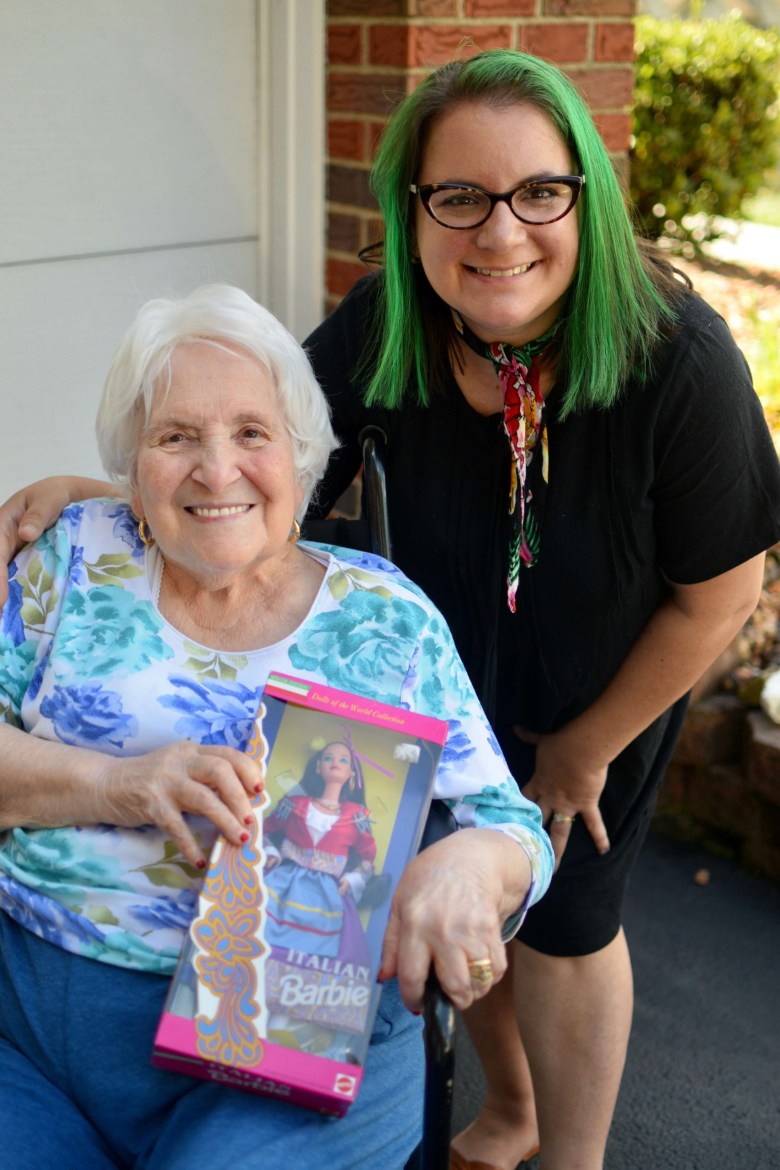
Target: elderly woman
[136, 640]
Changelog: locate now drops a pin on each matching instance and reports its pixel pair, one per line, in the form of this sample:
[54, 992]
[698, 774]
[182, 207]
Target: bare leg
[575, 1017]
[505, 1128]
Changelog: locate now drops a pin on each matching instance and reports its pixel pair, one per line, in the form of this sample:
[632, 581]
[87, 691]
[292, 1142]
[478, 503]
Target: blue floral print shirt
[87, 659]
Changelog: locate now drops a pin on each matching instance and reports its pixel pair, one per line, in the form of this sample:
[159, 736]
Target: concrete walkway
[701, 1089]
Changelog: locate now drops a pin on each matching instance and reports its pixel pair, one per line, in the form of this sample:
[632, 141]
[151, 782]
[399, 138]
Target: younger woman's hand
[160, 787]
[30, 511]
[13, 514]
[565, 785]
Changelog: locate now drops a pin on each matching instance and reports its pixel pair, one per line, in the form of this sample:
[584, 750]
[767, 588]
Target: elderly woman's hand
[448, 910]
[184, 777]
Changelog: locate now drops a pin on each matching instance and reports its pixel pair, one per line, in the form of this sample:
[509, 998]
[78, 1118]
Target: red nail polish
[201, 864]
[248, 820]
[258, 788]
[244, 837]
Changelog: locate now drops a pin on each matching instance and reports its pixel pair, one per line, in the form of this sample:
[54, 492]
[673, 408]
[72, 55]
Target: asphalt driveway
[701, 1089]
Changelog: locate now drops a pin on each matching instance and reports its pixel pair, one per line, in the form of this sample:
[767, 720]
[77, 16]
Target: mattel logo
[345, 1085]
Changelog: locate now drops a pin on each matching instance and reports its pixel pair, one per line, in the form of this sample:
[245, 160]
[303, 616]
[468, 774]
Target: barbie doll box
[276, 987]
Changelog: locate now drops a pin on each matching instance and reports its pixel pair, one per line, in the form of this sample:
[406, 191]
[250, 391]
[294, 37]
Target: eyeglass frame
[425, 190]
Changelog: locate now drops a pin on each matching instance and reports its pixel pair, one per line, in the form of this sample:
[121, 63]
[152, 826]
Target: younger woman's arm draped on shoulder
[31, 510]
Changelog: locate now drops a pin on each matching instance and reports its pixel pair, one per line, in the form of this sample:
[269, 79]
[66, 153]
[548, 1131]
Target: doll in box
[320, 854]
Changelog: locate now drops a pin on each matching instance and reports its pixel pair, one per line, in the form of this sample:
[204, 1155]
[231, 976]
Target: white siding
[129, 168]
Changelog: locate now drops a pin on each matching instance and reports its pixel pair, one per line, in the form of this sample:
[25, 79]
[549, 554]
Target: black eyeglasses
[456, 206]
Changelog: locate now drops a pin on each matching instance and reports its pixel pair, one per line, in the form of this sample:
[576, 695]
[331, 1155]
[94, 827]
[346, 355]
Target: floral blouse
[86, 658]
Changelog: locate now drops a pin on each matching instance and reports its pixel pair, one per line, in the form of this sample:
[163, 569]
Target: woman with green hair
[580, 476]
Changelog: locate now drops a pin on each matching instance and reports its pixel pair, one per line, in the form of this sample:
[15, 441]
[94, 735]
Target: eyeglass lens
[533, 203]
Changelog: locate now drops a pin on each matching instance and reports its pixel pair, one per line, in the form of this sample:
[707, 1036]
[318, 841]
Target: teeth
[503, 271]
[232, 510]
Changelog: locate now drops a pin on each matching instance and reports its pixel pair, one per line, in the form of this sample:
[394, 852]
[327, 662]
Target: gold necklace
[328, 805]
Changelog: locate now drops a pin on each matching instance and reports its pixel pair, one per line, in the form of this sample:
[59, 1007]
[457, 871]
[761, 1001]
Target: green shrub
[705, 122]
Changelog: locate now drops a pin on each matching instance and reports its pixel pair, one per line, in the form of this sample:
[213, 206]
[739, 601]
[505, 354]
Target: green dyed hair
[619, 300]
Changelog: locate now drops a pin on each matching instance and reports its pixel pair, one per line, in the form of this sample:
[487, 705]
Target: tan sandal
[458, 1162]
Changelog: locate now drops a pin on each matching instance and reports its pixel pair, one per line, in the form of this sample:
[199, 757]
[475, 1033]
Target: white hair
[215, 313]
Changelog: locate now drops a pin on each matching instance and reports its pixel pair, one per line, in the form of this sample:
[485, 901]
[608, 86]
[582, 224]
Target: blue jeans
[77, 1089]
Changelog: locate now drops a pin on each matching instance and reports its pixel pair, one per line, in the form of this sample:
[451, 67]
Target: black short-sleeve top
[677, 482]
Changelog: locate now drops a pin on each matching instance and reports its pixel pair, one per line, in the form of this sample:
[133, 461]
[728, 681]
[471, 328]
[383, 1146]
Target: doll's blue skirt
[77, 1089]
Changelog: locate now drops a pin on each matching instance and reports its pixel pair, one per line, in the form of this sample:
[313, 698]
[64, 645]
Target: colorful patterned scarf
[524, 426]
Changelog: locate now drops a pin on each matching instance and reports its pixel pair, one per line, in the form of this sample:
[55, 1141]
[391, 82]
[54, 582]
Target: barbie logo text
[296, 992]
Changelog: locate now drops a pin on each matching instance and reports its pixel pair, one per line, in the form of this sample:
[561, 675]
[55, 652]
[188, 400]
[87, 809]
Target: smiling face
[215, 478]
[335, 764]
[507, 279]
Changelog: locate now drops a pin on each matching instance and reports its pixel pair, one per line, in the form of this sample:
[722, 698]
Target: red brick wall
[378, 50]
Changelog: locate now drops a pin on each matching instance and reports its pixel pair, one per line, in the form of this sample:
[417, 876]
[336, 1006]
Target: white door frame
[291, 161]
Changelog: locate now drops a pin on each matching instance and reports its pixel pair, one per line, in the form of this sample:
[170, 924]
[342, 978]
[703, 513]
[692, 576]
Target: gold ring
[563, 818]
[481, 970]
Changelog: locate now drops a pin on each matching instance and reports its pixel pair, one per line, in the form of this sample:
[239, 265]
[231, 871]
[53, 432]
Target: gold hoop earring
[144, 535]
[295, 533]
